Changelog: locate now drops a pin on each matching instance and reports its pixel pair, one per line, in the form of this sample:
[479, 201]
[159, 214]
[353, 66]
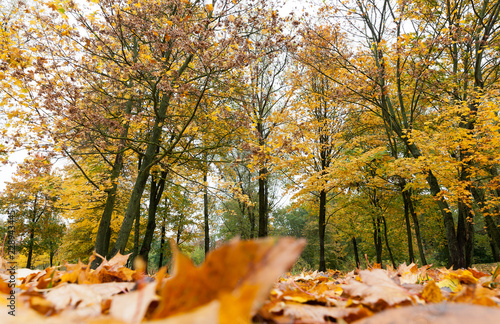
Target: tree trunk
[263, 202]
[251, 217]
[137, 229]
[356, 255]
[205, 212]
[457, 258]
[104, 229]
[162, 244]
[417, 232]
[322, 229]
[406, 201]
[491, 228]
[377, 238]
[156, 192]
[30, 249]
[387, 242]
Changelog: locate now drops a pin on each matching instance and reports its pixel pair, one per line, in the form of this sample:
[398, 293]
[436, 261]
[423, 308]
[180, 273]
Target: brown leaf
[225, 270]
[131, 307]
[443, 313]
[377, 286]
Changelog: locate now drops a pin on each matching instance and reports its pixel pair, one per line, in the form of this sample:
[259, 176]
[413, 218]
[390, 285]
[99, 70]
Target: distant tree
[33, 196]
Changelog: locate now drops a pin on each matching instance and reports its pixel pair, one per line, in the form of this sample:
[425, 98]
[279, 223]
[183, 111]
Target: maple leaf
[238, 266]
[442, 313]
[376, 286]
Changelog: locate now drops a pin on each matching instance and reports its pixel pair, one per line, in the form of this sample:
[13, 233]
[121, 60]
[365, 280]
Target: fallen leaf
[442, 313]
[226, 269]
[131, 307]
[376, 286]
[432, 293]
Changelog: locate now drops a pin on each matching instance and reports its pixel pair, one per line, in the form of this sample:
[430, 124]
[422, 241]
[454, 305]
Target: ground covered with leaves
[240, 282]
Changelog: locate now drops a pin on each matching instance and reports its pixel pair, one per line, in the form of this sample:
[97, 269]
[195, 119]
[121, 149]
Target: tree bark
[406, 202]
[387, 242]
[491, 228]
[162, 244]
[377, 238]
[356, 255]
[417, 232]
[156, 193]
[149, 157]
[322, 229]
[205, 213]
[104, 229]
[30, 249]
[263, 202]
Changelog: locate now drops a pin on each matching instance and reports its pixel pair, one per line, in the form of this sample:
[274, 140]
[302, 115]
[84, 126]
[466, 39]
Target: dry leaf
[131, 307]
[226, 269]
[377, 286]
[443, 313]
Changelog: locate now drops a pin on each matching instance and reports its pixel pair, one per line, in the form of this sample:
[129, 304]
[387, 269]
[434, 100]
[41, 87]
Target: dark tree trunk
[356, 255]
[457, 257]
[179, 232]
[491, 228]
[156, 192]
[406, 201]
[251, 217]
[104, 229]
[137, 230]
[465, 232]
[377, 238]
[148, 159]
[387, 242]
[322, 229]
[417, 232]
[263, 202]
[30, 249]
[162, 244]
[205, 213]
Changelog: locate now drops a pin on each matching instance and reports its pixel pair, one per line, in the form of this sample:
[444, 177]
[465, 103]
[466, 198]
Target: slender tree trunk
[179, 232]
[387, 242]
[491, 228]
[104, 229]
[356, 255]
[263, 202]
[251, 217]
[143, 175]
[377, 238]
[417, 232]
[137, 232]
[205, 212]
[406, 201]
[30, 249]
[457, 257]
[162, 244]
[156, 193]
[322, 229]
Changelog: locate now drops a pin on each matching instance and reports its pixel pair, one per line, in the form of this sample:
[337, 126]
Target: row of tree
[185, 119]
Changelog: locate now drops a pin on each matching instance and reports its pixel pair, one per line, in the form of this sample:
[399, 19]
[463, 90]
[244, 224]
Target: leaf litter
[240, 283]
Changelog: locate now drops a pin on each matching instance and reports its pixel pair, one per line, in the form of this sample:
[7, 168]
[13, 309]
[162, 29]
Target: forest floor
[237, 284]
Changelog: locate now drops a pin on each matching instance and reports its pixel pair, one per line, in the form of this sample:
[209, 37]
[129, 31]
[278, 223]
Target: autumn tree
[33, 196]
[392, 69]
